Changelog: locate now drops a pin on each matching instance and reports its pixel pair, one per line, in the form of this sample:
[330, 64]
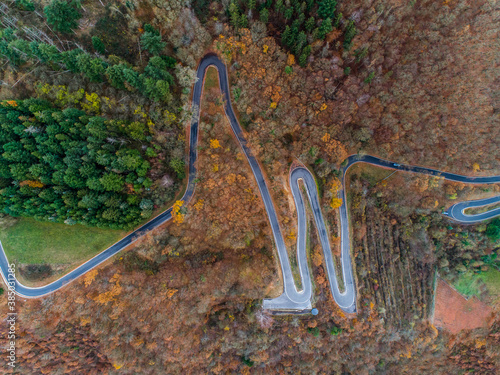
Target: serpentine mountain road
[292, 299]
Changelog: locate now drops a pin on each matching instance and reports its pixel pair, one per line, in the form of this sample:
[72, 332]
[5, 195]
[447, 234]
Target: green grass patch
[33, 242]
[491, 279]
[211, 78]
[469, 283]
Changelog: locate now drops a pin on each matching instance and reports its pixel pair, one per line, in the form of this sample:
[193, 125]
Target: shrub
[493, 230]
[335, 331]
[370, 77]
[314, 331]
[25, 5]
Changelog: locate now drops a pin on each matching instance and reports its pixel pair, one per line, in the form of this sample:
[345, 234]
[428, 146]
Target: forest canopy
[66, 166]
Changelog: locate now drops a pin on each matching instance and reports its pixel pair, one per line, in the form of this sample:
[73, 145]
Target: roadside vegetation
[82, 153]
[99, 142]
[480, 210]
[32, 241]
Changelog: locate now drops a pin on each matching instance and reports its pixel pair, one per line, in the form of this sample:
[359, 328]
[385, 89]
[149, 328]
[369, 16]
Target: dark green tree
[63, 15]
[264, 15]
[493, 230]
[68, 167]
[301, 42]
[285, 36]
[93, 67]
[325, 28]
[304, 55]
[178, 166]
[234, 15]
[98, 45]
[243, 22]
[116, 75]
[337, 20]
[279, 7]
[349, 34]
[152, 43]
[310, 23]
[134, 79]
[327, 8]
[26, 5]
[70, 59]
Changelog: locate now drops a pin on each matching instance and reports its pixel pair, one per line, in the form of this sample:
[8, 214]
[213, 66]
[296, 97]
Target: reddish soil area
[456, 313]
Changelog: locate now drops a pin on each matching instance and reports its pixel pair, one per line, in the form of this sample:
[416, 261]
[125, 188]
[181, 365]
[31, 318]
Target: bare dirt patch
[456, 313]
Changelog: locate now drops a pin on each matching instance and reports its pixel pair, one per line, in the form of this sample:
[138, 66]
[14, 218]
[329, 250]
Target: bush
[493, 230]
[247, 361]
[62, 15]
[25, 5]
[314, 331]
[335, 331]
[370, 77]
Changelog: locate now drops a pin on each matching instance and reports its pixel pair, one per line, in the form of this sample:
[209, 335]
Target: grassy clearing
[211, 79]
[491, 278]
[33, 242]
[370, 173]
[470, 284]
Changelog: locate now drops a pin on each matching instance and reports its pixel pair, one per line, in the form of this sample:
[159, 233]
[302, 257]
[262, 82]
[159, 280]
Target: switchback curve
[291, 299]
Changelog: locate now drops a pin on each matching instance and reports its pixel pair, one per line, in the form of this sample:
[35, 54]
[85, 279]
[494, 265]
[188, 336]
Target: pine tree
[327, 8]
[243, 21]
[63, 15]
[301, 42]
[98, 45]
[70, 59]
[116, 75]
[234, 15]
[264, 15]
[304, 56]
[349, 34]
[75, 175]
[285, 37]
[278, 6]
[288, 13]
[338, 19]
[152, 43]
[133, 78]
[325, 28]
[310, 23]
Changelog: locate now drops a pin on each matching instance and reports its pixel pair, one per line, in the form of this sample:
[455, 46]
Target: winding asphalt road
[292, 299]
